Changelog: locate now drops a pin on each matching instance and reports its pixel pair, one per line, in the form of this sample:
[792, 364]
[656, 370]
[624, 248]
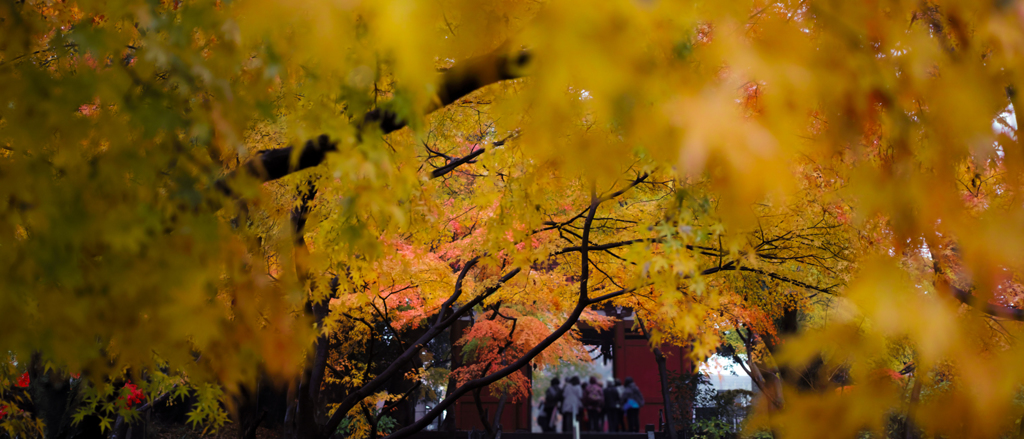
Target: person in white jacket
[572, 403]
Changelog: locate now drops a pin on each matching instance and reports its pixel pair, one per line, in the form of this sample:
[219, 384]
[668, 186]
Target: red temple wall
[632, 357]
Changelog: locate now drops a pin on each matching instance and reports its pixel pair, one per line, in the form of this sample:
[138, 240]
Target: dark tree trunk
[659, 357]
[53, 398]
[482, 413]
[404, 410]
[306, 426]
[290, 426]
[120, 430]
[249, 409]
[497, 414]
[449, 420]
[453, 335]
[250, 431]
[665, 393]
[909, 427]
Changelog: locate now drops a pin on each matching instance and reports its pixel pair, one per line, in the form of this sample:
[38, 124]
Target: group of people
[592, 404]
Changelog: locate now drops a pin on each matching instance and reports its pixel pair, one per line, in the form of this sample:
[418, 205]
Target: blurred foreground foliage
[827, 187]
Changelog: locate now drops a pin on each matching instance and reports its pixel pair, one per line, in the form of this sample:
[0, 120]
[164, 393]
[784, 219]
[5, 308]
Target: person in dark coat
[634, 400]
[593, 400]
[622, 411]
[612, 407]
[551, 399]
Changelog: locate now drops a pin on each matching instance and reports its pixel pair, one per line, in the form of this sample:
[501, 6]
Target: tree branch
[612, 295]
[391, 405]
[585, 251]
[582, 303]
[456, 163]
[991, 309]
[458, 290]
[601, 246]
[463, 78]
[826, 290]
[965, 296]
[497, 375]
[638, 180]
[395, 367]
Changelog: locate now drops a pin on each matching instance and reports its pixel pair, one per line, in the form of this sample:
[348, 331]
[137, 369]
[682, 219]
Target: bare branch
[458, 290]
[991, 309]
[458, 81]
[353, 398]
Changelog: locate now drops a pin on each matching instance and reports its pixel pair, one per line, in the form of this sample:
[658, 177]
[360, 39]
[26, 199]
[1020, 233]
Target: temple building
[624, 349]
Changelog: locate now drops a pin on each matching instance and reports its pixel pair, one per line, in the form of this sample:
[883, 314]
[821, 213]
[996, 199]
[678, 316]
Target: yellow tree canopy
[205, 189]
